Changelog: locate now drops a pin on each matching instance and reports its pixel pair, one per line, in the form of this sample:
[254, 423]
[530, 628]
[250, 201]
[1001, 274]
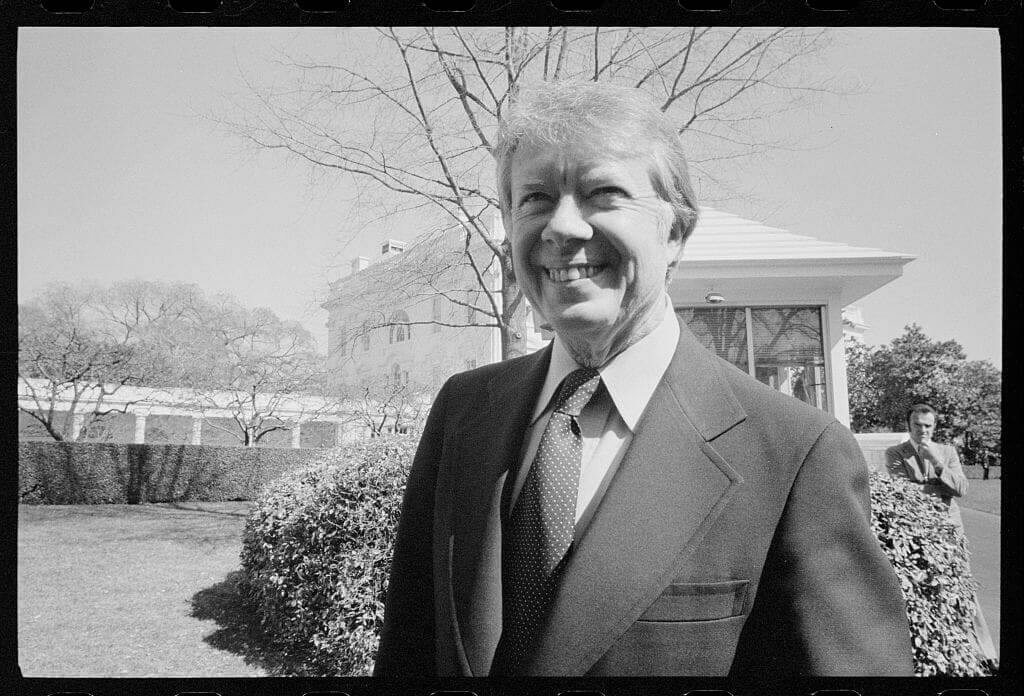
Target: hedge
[64, 473]
[930, 556]
[316, 553]
[317, 550]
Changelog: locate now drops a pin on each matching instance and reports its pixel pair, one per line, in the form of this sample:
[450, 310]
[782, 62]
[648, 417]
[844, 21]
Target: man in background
[936, 468]
[933, 465]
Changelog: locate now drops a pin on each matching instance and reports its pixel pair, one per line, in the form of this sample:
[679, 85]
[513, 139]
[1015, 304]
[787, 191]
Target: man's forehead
[535, 163]
[922, 418]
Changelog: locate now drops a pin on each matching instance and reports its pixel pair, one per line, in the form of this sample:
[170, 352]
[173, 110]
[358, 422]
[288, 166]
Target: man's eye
[606, 193]
[534, 197]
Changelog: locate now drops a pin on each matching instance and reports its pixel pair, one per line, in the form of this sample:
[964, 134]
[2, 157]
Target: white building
[185, 416]
[437, 301]
[769, 301]
[853, 323]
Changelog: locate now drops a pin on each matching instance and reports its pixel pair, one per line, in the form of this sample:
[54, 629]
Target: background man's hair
[921, 408]
[605, 119]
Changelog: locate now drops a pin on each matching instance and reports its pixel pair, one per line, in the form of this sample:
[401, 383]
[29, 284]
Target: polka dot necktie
[543, 522]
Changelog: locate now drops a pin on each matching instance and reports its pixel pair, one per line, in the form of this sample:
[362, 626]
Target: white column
[340, 433]
[140, 428]
[76, 425]
[296, 435]
[835, 361]
[197, 430]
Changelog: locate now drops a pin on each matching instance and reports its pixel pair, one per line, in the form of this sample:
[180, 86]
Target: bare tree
[167, 321]
[80, 346]
[71, 361]
[260, 370]
[411, 122]
[389, 404]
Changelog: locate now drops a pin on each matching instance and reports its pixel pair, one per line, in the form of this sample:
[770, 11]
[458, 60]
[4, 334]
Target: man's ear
[675, 245]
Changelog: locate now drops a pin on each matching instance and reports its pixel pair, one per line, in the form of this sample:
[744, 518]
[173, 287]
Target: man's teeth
[561, 275]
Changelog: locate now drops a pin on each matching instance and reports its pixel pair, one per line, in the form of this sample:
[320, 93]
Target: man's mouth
[566, 274]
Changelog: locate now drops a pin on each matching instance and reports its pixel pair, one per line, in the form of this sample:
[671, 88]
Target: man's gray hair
[603, 118]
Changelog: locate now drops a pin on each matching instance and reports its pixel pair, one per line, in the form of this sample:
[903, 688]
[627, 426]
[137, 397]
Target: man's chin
[580, 320]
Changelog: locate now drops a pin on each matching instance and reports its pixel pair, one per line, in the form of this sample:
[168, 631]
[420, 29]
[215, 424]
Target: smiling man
[623, 502]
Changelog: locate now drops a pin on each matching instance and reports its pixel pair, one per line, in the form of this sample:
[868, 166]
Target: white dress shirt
[608, 421]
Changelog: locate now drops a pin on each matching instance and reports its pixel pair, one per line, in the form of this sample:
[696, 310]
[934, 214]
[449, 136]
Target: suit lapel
[487, 456]
[669, 488]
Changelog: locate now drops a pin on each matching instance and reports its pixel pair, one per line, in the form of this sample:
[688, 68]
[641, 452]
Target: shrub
[316, 553]
[930, 556]
[70, 473]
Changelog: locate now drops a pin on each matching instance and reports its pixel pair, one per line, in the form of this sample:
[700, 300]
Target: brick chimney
[359, 263]
[391, 248]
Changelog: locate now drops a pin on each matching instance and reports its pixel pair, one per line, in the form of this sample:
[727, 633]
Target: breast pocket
[704, 601]
[691, 629]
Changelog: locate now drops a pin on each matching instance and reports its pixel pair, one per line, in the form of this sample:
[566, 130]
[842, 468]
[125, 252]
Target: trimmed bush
[317, 551]
[68, 473]
[930, 556]
[316, 554]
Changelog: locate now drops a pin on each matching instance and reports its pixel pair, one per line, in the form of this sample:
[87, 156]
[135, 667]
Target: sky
[122, 174]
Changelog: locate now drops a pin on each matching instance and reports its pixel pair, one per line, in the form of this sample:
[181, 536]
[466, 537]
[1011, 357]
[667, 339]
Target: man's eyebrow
[599, 171]
[531, 181]
[604, 172]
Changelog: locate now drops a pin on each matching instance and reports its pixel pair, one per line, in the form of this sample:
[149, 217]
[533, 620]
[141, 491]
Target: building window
[400, 330]
[782, 347]
[366, 336]
[788, 352]
[722, 330]
[339, 338]
[396, 374]
[471, 364]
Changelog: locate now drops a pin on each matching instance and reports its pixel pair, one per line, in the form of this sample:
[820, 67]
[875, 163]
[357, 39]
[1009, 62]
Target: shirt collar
[630, 377]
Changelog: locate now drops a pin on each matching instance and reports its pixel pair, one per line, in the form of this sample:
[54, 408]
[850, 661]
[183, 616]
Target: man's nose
[566, 222]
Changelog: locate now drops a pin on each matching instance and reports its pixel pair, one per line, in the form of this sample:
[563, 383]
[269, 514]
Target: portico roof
[756, 262]
[727, 237]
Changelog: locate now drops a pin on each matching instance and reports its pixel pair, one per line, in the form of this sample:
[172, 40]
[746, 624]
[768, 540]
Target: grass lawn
[133, 590]
[982, 495]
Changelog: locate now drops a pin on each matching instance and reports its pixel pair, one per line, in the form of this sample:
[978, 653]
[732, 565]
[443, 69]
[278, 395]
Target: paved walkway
[983, 538]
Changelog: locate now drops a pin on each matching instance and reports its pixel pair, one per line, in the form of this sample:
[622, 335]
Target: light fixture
[714, 298]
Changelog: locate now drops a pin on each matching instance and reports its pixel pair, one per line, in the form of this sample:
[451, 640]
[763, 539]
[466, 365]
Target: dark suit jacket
[733, 538]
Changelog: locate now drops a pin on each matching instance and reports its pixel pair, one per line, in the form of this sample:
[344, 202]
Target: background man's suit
[903, 461]
[733, 537]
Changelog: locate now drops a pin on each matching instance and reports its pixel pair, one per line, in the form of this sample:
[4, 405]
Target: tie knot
[577, 389]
